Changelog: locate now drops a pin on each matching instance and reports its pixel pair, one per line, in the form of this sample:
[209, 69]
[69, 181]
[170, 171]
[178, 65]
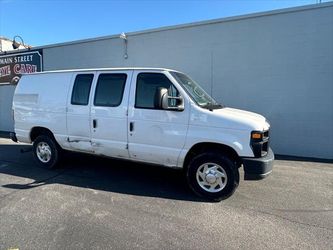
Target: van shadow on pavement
[97, 173]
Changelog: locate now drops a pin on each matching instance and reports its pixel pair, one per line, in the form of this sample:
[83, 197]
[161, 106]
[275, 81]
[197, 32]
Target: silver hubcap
[43, 152]
[211, 177]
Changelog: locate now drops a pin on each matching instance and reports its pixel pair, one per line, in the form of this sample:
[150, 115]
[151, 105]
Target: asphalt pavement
[99, 203]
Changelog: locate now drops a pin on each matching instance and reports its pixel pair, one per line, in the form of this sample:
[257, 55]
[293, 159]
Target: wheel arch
[202, 147]
[37, 131]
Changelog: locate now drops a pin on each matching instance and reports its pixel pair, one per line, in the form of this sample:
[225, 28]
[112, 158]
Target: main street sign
[12, 66]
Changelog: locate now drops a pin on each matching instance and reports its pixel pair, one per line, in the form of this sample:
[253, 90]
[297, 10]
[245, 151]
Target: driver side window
[146, 86]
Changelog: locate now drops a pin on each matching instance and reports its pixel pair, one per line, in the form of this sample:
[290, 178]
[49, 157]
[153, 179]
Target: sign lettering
[12, 66]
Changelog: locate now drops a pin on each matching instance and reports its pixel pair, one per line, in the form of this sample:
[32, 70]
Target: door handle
[94, 123]
[131, 126]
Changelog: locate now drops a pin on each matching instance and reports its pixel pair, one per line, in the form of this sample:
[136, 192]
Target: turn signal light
[256, 136]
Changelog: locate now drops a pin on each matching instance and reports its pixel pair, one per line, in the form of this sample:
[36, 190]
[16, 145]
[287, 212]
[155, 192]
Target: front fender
[238, 140]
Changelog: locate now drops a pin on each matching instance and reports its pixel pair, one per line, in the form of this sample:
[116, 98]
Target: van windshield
[198, 95]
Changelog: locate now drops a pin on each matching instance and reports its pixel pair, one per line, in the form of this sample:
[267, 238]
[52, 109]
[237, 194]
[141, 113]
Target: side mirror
[162, 100]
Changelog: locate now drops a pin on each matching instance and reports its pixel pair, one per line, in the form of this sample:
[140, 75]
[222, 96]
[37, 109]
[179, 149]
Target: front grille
[260, 147]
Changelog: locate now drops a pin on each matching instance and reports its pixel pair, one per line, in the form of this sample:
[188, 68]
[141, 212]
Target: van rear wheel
[46, 151]
[213, 176]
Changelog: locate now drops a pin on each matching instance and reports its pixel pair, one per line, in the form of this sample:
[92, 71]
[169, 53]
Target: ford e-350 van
[156, 116]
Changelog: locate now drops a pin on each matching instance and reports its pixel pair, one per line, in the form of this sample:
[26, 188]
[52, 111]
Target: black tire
[225, 165]
[50, 146]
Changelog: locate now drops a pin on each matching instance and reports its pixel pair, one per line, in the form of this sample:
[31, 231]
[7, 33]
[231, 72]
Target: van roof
[101, 69]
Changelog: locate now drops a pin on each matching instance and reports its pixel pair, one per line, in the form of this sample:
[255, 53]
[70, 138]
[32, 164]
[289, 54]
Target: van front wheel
[46, 151]
[212, 176]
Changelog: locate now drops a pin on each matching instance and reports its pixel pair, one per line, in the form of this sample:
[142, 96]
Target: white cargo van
[156, 116]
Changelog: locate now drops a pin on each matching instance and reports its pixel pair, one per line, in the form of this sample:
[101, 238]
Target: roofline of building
[187, 25]
[5, 38]
[9, 40]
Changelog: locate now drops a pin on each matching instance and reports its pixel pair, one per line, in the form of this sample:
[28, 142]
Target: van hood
[231, 118]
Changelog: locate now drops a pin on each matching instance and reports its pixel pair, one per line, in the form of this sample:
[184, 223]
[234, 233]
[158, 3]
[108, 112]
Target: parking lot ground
[98, 203]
